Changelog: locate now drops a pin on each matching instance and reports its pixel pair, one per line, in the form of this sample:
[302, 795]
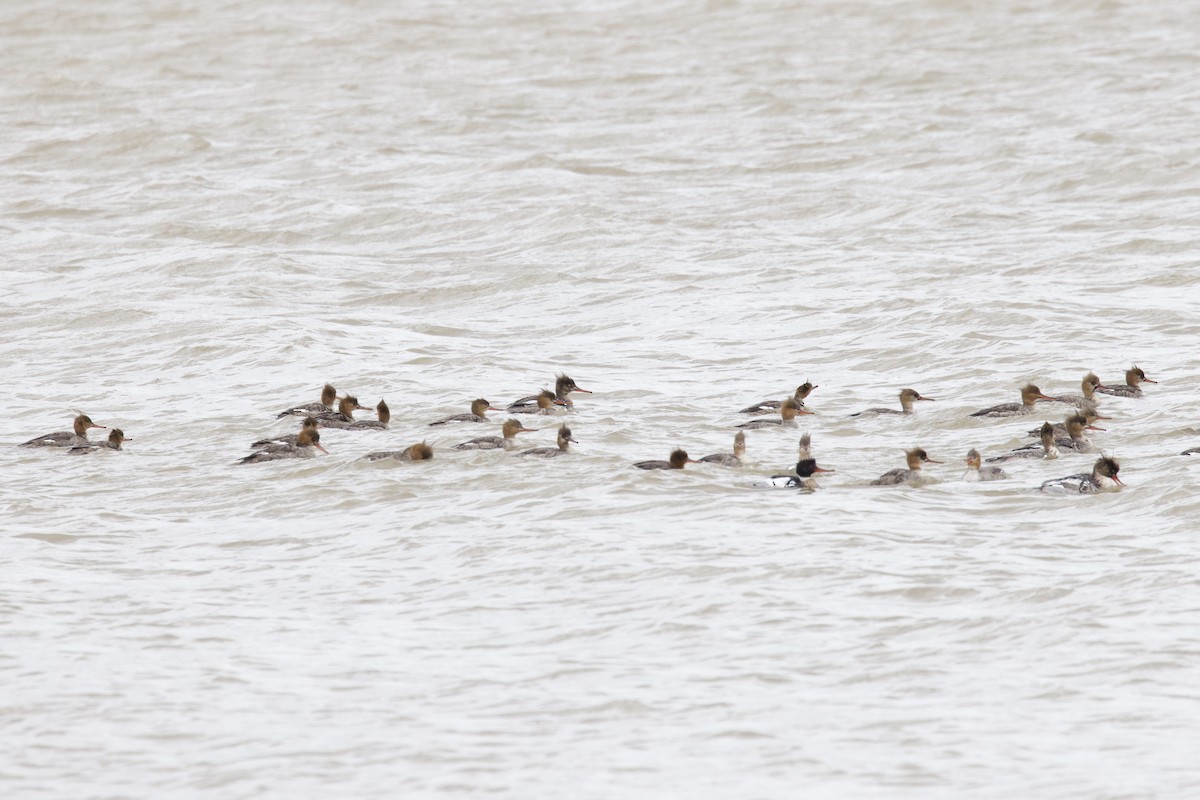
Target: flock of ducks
[1068, 435]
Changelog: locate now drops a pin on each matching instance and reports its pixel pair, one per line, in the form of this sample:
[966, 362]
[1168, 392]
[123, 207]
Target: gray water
[209, 210]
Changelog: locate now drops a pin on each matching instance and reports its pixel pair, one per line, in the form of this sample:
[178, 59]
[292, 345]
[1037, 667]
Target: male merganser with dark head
[915, 458]
[1047, 447]
[564, 443]
[416, 452]
[77, 437]
[384, 415]
[544, 403]
[284, 442]
[328, 395]
[806, 467]
[1133, 377]
[803, 479]
[1030, 394]
[344, 417]
[479, 408]
[788, 411]
[767, 406]
[508, 441]
[307, 442]
[729, 459]
[1089, 414]
[977, 473]
[563, 387]
[115, 437]
[678, 459]
[907, 398]
[1102, 479]
[1089, 385]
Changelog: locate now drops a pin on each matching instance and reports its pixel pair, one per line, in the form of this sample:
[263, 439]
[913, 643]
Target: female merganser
[307, 441]
[478, 409]
[544, 403]
[1075, 440]
[416, 452]
[915, 458]
[564, 442]
[788, 411]
[1030, 394]
[1048, 447]
[382, 412]
[766, 406]
[977, 473]
[806, 467]
[285, 442]
[1089, 413]
[563, 387]
[328, 395]
[73, 438]
[508, 441]
[1131, 389]
[726, 459]
[115, 437]
[344, 417]
[1089, 385]
[907, 397]
[1103, 478]
[678, 459]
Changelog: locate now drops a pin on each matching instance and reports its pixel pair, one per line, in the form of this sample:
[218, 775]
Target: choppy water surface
[211, 209]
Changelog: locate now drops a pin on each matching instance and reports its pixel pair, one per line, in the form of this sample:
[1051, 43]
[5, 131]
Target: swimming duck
[915, 459]
[479, 409]
[907, 398]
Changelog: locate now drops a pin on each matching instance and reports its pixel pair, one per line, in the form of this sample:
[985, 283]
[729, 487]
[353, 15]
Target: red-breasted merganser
[328, 395]
[915, 458]
[1088, 385]
[344, 417]
[907, 398]
[478, 410]
[1102, 479]
[1030, 394]
[384, 415]
[564, 443]
[307, 442]
[73, 438]
[767, 406]
[1133, 377]
[803, 479]
[115, 437]
[806, 467]
[1075, 441]
[977, 473]
[509, 429]
[1089, 413]
[563, 387]
[788, 411]
[416, 452]
[678, 459]
[285, 442]
[1047, 448]
[544, 403]
[729, 459]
